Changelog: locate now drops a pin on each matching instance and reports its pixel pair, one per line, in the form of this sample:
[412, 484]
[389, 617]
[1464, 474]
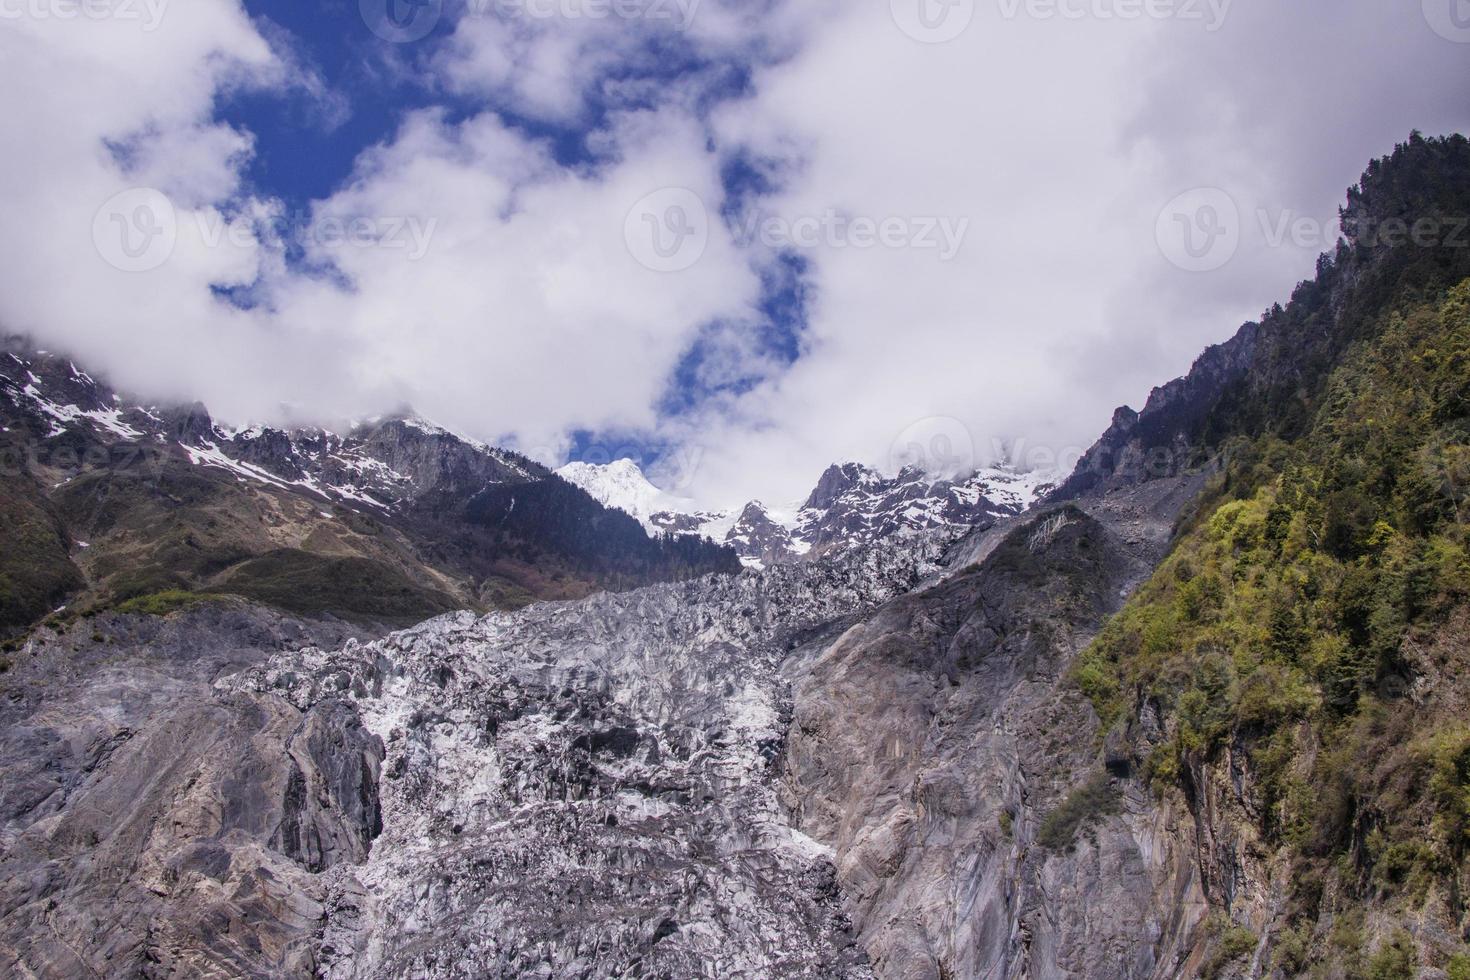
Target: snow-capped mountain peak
[621, 484]
[852, 504]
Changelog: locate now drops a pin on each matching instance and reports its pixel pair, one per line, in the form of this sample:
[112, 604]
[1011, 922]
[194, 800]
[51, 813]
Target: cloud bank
[784, 233]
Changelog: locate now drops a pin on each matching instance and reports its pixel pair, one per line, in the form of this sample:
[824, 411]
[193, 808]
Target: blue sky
[306, 146]
[300, 155]
[740, 242]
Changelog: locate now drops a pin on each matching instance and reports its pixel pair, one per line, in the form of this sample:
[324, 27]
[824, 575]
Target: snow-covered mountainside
[852, 505]
[377, 464]
[393, 520]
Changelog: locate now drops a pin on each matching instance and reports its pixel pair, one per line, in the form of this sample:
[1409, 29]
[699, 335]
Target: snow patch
[622, 485]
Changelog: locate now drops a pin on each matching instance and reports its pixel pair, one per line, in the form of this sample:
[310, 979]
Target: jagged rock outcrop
[799, 772]
[759, 539]
[932, 741]
[870, 763]
[151, 826]
[854, 506]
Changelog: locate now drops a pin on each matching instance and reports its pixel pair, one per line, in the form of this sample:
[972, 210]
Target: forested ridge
[1313, 619]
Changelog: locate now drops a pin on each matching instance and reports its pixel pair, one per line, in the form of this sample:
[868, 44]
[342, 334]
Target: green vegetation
[1232, 942]
[502, 593]
[1395, 960]
[36, 573]
[1458, 968]
[1292, 950]
[1285, 620]
[352, 587]
[162, 603]
[1087, 802]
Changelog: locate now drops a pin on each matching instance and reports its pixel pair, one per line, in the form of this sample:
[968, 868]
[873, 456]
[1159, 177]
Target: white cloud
[95, 107]
[528, 314]
[548, 58]
[516, 310]
[1061, 141]
[499, 294]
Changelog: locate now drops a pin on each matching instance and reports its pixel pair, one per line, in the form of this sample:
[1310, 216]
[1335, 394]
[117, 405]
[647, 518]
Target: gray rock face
[103, 500]
[379, 465]
[758, 539]
[852, 506]
[330, 813]
[855, 506]
[150, 826]
[931, 741]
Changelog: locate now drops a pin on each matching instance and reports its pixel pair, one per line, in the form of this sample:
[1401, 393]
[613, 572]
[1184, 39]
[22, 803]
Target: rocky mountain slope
[1291, 676]
[852, 506]
[581, 788]
[107, 500]
[1257, 766]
